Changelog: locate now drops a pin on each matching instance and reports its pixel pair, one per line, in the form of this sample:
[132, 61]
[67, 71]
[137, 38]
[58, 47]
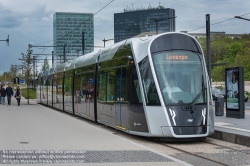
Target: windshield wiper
[199, 94]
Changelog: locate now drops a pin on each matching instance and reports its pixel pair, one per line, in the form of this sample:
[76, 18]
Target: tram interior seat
[184, 96]
[154, 98]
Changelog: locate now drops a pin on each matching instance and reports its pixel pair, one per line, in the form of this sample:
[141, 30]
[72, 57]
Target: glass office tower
[67, 30]
[134, 22]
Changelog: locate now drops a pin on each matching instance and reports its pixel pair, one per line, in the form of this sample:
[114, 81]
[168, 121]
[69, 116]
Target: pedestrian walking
[18, 95]
[9, 93]
[3, 94]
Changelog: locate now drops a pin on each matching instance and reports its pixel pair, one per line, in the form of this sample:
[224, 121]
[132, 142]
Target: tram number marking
[136, 124]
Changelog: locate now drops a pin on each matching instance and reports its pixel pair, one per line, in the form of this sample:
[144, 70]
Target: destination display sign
[176, 57]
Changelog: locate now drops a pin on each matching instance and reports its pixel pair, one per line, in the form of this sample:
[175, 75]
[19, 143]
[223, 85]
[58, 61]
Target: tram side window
[135, 88]
[102, 87]
[150, 92]
[111, 76]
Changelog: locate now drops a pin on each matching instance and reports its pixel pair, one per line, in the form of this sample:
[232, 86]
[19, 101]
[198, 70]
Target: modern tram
[154, 86]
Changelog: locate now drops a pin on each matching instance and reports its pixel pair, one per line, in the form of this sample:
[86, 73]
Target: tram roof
[69, 66]
[86, 59]
[60, 68]
[109, 51]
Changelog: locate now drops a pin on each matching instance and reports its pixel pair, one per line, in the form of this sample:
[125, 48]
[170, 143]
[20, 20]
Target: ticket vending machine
[234, 88]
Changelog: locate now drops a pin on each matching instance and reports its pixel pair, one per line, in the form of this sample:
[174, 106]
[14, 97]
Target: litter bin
[219, 106]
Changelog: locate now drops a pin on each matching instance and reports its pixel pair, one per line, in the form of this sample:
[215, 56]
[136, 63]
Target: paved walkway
[37, 134]
[34, 134]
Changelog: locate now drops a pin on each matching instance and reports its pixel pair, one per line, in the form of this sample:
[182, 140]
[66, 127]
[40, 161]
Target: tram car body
[154, 86]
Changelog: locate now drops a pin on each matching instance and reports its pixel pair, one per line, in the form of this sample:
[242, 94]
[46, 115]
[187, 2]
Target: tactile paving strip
[77, 156]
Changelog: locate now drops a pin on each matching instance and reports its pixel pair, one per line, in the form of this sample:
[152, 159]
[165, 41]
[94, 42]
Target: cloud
[8, 18]
[31, 21]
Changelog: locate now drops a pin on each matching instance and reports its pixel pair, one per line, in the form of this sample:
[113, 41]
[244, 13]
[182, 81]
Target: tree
[6, 76]
[45, 64]
[233, 50]
[27, 61]
[13, 70]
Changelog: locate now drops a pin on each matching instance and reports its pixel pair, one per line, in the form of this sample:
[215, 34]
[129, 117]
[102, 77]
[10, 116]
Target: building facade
[67, 30]
[131, 23]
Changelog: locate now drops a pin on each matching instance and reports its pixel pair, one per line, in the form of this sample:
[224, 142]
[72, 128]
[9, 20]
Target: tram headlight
[173, 115]
[204, 116]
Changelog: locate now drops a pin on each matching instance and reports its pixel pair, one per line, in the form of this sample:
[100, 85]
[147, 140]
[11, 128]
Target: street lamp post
[7, 40]
[161, 19]
[239, 17]
[208, 46]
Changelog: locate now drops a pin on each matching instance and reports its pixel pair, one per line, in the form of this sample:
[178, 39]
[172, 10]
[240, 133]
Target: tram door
[121, 101]
[89, 94]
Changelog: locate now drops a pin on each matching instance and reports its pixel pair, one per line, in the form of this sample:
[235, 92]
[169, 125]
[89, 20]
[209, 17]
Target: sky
[31, 21]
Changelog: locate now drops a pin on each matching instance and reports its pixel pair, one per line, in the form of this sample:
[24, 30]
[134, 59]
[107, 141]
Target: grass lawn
[32, 93]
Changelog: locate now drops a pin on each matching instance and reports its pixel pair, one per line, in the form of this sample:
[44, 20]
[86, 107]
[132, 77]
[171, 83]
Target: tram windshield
[181, 77]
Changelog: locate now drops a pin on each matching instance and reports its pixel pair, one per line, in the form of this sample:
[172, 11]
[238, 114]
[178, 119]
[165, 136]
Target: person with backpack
[9, 93]
[18, 95]
[3, 94]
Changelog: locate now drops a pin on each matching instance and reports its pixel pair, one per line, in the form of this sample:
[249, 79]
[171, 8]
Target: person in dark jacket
[9, 93]
[3, 94]
[18, 95]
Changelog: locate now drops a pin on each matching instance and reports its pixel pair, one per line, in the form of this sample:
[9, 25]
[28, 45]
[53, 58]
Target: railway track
[214, 152]
[196, 155]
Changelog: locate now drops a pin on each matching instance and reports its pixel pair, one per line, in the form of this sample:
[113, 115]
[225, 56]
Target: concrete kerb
[231, 137]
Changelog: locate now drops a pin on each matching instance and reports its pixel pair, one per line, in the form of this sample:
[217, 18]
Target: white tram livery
[154, 86]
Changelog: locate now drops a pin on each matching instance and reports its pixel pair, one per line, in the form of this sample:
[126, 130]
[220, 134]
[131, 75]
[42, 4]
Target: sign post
[22, 81]
[235, 102]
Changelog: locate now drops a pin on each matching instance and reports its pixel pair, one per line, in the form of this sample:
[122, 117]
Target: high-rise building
[131, 23]
[67, 30]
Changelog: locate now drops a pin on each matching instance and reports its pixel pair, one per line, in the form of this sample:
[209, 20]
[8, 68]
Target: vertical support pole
[83, 43]
[28, 75]
[208, 46]
[52, 59]
[34, 65]
[8, 40]
[156, 26]
[64, 53]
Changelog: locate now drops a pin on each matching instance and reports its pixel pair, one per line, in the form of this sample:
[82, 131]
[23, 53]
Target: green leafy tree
[13, 70]
[6, 76]
[243, 59]
[235, 52]
[27, 61]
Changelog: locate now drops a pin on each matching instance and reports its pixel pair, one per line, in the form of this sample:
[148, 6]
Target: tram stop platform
[232, 129]
[37, 135]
